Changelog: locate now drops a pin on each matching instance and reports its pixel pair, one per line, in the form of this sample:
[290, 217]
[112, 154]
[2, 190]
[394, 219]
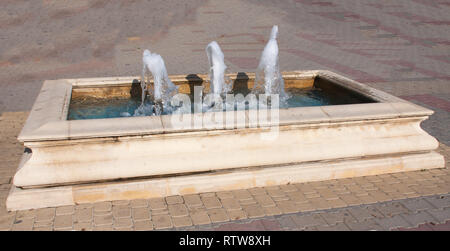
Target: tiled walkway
[401, 48]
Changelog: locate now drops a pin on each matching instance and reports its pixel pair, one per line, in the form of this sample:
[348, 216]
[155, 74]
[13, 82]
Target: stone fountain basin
[140, 157]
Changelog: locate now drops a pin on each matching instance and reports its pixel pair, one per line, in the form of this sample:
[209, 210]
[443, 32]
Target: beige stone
[237, 214]
[254, 211]
[199, 216]
[178, 210]
[184, 221]
[218, 215]
[162, 221]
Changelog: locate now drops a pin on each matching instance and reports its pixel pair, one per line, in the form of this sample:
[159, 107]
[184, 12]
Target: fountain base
[77, 161]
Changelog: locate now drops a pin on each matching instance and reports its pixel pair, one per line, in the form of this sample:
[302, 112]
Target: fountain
[268, 79]
[163, 90]
[83, 145]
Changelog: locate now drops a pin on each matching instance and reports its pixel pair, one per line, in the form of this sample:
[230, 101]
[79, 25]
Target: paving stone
[103, 220]
[392, 222]
[379, 196]
[46, 228]
[415, 219]
[230, 203]
[102, 208]
[337, 203]
[440, 215]
[367, 199]
[182, 221]
[320, 203]
[224, 194]
[83, 215]
[276, 193]
[23, 225]
[178, 210]
[63, 221]
[144, 225]
[25, 214]
[287, 207]
[83, 226]
[122, 223]
[337, 227]
[253, 211]
[341, 216]
[287, 222]
[162, 221]
[328, 194]
[257, 191]
[237, 214]
[211, 202]
[141, 213]
[417, 205]
[269, 211]
[103, 228]
[366, 225]
[157, 204]
[218, 215]
[264, 200]
[6, 222]
[121, 211]
[192, 200]
[64, 210]
[45, 214]
[390, 209]
[271, 224]
[247, 202]
[288, 188]
[308, 220]
[312, 195]
[439, 201]
[305, 207]
[360, 213]
[242, 194]
[176, 199]
[199, 216]
[297, 197]
[139, 203]
[159, 212]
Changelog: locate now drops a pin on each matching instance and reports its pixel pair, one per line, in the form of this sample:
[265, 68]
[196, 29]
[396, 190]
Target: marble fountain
[84, 143]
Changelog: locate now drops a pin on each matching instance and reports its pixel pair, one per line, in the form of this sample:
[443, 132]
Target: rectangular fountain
[81, 148]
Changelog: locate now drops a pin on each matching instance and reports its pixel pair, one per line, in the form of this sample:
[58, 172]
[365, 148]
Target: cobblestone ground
[400, 47]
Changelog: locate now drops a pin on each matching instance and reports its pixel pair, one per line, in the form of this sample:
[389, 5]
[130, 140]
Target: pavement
[400, 47]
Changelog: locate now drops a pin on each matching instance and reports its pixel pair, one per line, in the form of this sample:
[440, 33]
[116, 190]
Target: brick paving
[401, 48]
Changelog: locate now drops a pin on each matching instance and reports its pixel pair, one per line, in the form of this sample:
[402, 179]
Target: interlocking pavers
[416, 205]
[122, 211]
[142, 213]
[218, 215]
[176, 199]
[237, 214]
[162, 221]
[178, 210]
[64, 210]
[391, 209]
[63, 222]
[366, 225]
[440, 214]
[440, 201]
[392, 222]
[157, 203]
[415, 219]
[211, 202]
[309, 220]
[182, 221]
[144, 225]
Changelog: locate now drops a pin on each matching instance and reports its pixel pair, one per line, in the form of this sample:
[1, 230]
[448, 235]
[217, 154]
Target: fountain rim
[47, 120]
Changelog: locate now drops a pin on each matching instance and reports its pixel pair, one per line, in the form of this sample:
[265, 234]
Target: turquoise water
[99, 108]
